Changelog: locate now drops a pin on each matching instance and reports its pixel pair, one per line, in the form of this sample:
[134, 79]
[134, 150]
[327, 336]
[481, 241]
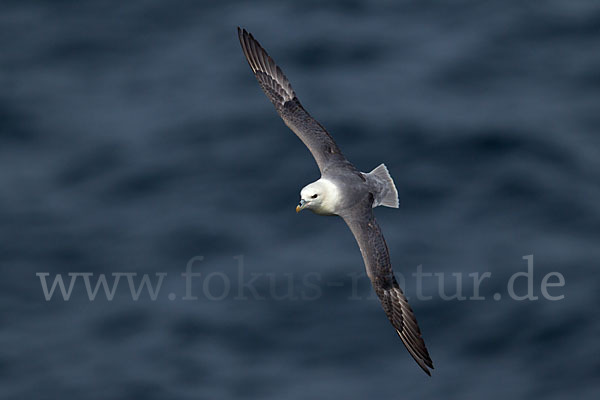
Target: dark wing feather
[376, 256]
[280, 92]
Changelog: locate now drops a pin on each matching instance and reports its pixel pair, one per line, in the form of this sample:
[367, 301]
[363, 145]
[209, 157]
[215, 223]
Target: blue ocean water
[133, 138]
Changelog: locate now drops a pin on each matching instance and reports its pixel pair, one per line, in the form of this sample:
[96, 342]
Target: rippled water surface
[133, 137]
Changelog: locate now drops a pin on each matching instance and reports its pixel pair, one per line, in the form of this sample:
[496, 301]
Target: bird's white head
[321, 197]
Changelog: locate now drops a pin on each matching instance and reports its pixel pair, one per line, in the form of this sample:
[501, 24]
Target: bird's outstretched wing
[362, 223]
[280, 92]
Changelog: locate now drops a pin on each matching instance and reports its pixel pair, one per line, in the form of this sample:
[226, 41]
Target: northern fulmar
[345, 191]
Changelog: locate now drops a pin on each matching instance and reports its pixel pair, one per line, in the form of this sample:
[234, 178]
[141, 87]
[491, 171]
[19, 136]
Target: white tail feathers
[389, 195]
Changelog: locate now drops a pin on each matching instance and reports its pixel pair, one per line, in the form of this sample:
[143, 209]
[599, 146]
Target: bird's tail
[390, 194]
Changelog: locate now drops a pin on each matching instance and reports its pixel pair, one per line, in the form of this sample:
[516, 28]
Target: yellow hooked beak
[301, 206]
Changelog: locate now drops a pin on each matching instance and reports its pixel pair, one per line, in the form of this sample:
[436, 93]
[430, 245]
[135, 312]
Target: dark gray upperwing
[278, 89]
[362, 223]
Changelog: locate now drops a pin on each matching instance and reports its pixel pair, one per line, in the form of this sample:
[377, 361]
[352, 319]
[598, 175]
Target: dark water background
[133, 137]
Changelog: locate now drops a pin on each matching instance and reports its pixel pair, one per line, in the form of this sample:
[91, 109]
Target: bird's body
[344, 191]
[341, 189]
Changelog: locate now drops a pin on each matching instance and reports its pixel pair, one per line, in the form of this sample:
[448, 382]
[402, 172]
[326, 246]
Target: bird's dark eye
[314, 196]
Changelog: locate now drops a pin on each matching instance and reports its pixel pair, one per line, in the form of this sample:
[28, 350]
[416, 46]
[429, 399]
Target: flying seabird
[345, 191]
